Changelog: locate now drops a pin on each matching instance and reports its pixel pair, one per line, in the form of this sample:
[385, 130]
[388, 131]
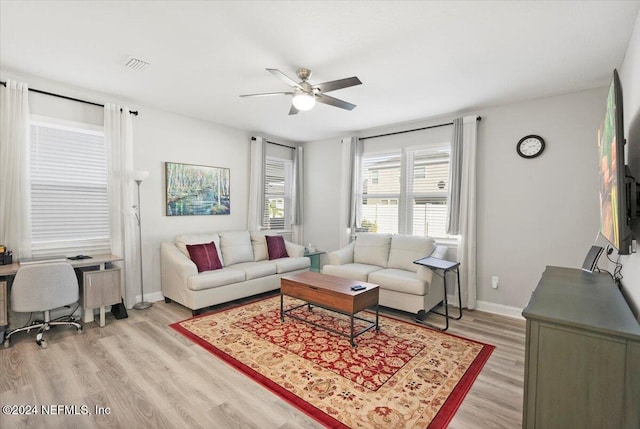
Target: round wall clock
[530, 146]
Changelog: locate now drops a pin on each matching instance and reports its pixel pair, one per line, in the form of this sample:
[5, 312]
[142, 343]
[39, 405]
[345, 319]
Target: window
[427, 193]
[277, 193]
[69, 207]
[380, 185]
[406, 192]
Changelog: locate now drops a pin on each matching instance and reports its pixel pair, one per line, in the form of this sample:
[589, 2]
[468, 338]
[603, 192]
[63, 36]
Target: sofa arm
[440, 252]
[294, 250]
[176, 268]
[424, 273]
[342, 256]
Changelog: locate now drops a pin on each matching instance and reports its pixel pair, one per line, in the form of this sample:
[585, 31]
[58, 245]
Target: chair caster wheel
[7, 343]
[41, 343]
[81, 330]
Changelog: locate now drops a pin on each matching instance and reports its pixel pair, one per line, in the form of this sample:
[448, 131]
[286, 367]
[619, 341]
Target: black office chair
[43, 287]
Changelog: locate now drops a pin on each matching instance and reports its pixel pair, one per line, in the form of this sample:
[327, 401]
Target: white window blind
[69, 209]
[277, 190]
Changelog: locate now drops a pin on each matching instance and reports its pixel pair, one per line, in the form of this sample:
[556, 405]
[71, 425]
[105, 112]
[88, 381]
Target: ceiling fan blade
[338, 84]
[286, 79]
[332, 101]
[266, 94]
[293, 110]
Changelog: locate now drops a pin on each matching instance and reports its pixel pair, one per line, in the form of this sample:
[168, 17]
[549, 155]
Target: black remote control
[358, 287]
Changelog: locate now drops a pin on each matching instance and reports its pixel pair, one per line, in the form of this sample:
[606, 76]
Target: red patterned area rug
[405, 376]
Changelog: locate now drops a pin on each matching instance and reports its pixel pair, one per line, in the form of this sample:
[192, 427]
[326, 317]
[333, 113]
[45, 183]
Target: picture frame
[196, 190]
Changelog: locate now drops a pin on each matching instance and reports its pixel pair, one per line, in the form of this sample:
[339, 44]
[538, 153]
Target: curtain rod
[278, 144]
[478, 118]
[283, 145]
[133, 112]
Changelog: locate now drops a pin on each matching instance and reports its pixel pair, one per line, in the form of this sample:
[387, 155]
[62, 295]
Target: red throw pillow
[276, 247]
[205, 256]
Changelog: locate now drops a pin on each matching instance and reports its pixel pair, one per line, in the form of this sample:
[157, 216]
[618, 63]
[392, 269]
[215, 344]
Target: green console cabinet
[582, 354]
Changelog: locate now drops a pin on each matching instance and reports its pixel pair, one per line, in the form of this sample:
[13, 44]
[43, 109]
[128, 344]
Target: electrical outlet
[494, 282]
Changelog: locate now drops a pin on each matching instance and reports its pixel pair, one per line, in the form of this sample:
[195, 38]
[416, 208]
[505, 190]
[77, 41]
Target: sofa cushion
[259, 244]
[286, 265]
[359, 272]
[205, 256]
[184, 239]
[217, 278]
[402, 281]
[276, 247]
[408, 248]
[372, 249]
[236, 247]
[255, 270]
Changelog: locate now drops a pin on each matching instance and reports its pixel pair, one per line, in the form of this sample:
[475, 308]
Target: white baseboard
[151, 297]
[503, 310]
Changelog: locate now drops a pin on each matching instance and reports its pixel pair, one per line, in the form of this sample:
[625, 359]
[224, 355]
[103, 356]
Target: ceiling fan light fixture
[303, 101]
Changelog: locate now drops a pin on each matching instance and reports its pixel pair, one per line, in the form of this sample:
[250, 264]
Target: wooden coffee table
[332, 293]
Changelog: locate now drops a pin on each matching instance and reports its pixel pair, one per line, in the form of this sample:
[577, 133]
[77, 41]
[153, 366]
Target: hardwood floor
[148, 376]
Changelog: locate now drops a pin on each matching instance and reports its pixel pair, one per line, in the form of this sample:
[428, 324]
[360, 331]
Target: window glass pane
[277, 201]
[381, 193]
[431, 173]
[381, 174]
[428, 192]
[69, 209]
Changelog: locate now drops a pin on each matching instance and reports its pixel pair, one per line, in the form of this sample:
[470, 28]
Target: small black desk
[440, 264]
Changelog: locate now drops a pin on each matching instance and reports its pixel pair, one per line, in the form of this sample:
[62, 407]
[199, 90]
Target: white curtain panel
[256, 183]
[297, 213]
[350, 184]
[455, 179]
[15, 186]
[118, 135]
[467, 219]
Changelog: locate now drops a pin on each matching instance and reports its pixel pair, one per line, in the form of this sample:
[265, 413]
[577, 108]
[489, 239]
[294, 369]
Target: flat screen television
[617, 187]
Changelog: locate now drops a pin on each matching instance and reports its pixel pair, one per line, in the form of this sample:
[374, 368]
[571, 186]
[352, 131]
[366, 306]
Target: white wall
[322, 194]
[160, 137]
[531, 213]
[541, 211]
[630, 80]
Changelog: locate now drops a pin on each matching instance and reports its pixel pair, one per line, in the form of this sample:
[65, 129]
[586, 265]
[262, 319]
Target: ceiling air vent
[136, 64]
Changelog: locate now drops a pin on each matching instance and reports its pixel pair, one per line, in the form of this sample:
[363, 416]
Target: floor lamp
[138, 177]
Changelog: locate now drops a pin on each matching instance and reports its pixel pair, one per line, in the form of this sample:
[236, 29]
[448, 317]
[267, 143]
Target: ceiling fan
[305, 95]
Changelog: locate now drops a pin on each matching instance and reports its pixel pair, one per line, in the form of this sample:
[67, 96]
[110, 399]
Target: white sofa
[387, 260]
[246, 269]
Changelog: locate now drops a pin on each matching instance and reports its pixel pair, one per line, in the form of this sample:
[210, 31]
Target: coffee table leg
[281, 307]
[377, 317]
[353, 343]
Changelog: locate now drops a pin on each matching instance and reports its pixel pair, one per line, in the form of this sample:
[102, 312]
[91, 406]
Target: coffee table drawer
[315, 295]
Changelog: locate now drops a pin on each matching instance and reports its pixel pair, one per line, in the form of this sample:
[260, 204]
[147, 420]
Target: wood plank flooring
[148, 376]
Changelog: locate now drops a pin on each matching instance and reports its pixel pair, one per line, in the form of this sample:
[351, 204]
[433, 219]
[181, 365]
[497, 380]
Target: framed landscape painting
[197, 190]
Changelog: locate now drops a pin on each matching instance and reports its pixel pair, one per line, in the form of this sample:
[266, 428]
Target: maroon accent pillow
[276, 247]
[205, 256]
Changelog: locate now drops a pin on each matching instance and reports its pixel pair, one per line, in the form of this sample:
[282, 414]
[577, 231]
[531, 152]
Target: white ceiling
[415, 59]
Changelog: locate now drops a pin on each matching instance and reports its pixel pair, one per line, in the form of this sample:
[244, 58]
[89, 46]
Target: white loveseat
[246, 268]
[387, 260]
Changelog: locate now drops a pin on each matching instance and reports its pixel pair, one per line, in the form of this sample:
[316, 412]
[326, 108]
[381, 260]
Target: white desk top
[11, 269]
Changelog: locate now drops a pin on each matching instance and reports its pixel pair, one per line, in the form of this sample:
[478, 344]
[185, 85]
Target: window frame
[407, 194]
